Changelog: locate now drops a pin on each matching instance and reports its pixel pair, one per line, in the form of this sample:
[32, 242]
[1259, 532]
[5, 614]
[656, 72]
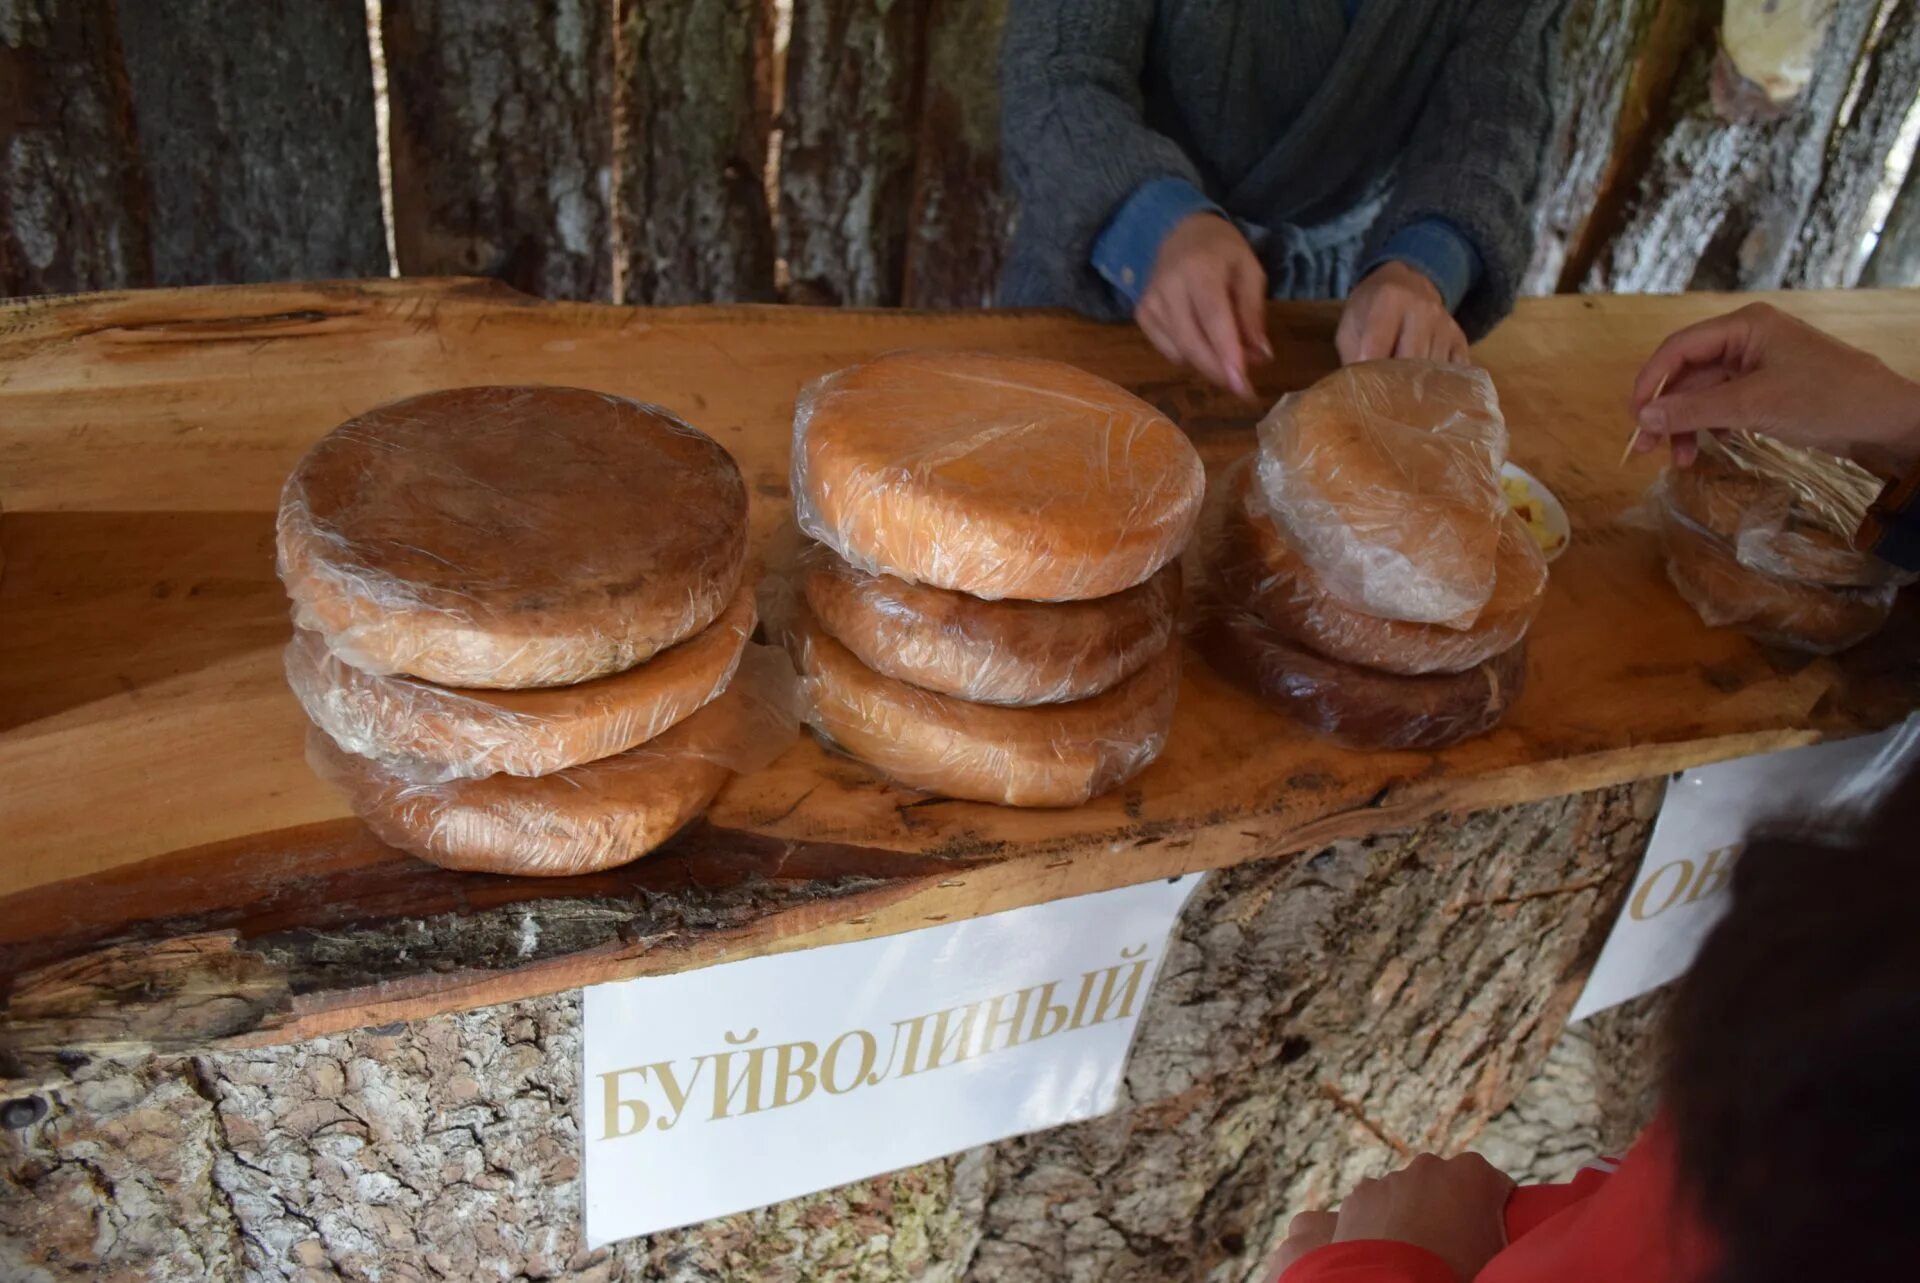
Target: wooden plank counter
[172, 873]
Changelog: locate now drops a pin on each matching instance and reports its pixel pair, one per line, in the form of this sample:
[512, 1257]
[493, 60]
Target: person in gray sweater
[1177, 161]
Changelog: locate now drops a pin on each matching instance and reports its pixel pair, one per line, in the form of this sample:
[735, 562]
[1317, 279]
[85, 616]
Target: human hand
[1307, 1232]
[1762, 370]
[1453, 1207]
[1203, 305]
[1396, 311]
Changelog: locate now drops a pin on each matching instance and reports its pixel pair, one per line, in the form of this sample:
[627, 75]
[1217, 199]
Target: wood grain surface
[154, 783]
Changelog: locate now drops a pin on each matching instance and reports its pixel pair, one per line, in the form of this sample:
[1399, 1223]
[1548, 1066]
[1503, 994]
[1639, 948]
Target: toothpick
[1628, 452]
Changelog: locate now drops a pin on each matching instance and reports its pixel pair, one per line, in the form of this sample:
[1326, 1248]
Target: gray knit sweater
[1331, 139]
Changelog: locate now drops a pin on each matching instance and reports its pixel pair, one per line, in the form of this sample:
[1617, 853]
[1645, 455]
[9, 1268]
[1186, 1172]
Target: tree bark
[502, 141]
[694, 116]
[961, 214]
[256, 133]
[73, 203]
[1896, 258]
[1317, 1017]
[847, 142]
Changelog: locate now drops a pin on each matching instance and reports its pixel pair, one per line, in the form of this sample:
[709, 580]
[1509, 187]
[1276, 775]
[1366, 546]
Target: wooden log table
[174, 874]
[243, 1039]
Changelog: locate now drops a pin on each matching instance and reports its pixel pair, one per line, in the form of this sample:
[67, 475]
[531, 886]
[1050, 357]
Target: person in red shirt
[1786, 1147]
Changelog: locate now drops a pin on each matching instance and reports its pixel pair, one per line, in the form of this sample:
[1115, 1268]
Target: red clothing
[1626, 1226]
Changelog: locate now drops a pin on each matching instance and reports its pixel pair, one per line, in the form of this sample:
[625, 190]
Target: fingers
[1720, 340]
[1220, 328]
[1720, 405]
[1247, 286]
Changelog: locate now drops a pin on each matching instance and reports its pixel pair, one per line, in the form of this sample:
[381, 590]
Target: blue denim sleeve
[1439, 251]
[1124, 252]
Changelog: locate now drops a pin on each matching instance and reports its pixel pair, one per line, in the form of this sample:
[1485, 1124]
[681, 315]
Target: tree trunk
[847, 142]
[692, 127]
[502, 141]
[73, 208]
[1317, 1018]
[1896, 257]
[256, 133]
[961, 214]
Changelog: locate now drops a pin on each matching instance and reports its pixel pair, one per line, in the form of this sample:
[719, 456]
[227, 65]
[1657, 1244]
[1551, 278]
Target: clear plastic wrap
[1050, 755]
[585, 818]
[992, 652]
[1385, 477]
[993, 476]
[510, 537]
[446, 733]
[1705, 571]
[1355, 706]
[1256, 568]
[1786, 514]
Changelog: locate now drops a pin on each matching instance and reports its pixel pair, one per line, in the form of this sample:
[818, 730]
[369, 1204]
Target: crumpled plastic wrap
[440, 732]
[585, 818]
[1355, 706]
[1786, 512]
[994, 476]
[1254, 566]
[1049, 755]
[993, 652]
[1385, 477]
[510, 537]
[1783, 612]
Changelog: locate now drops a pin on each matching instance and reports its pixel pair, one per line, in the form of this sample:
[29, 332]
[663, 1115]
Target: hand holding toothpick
[1634, 437]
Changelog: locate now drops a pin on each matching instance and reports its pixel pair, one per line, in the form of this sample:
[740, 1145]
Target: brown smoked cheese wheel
[579, 820]
[991, 475]
[1361, 707]
[992, 652]
[1259, 569]
[506, 537]
[1781, 612]
[469, 733]
[1051, 755]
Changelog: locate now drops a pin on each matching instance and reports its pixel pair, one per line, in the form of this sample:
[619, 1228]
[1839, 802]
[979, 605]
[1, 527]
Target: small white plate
[1537, 506]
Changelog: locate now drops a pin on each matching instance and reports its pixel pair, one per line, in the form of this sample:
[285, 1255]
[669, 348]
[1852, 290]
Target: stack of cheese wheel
[519, 617]
[988, 611]
[1747, 549]
[1367, 575]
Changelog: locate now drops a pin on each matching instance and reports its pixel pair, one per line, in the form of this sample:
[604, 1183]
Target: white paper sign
[1682, 887]
[744, 1084]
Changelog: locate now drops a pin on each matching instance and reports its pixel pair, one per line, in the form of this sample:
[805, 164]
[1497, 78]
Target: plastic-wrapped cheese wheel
[1256, 567]
[585, 818]
[993, 652]
[507, 537]
[994, 476]
[1050, 755]
[1385, 476]
[456, 734]
[1760, 518]
[1361, 707]
[1781, 612]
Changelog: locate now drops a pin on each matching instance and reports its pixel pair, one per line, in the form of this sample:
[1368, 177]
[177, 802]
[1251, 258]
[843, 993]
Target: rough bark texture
[502, 141]
[72, 197]
[1896, 258]
[1316, 1017]
[1722, 202]
[847, 142]
[1827, 254]
[256, 133]
[962, 215]
[695, 110]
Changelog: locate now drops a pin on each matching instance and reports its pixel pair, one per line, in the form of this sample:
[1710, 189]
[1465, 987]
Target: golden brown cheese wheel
[507, 537]
[991, 475]
[1259, 569]
[992, 652]
[1051, 755]
[1782, 612]
[1385, 477]
[1361, 707]
[1758, 515]
[468, 733]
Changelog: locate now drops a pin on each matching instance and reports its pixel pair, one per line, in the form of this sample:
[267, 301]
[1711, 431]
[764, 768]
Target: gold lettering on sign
[743, 1083]
[1681, 882]
[1682, 870]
